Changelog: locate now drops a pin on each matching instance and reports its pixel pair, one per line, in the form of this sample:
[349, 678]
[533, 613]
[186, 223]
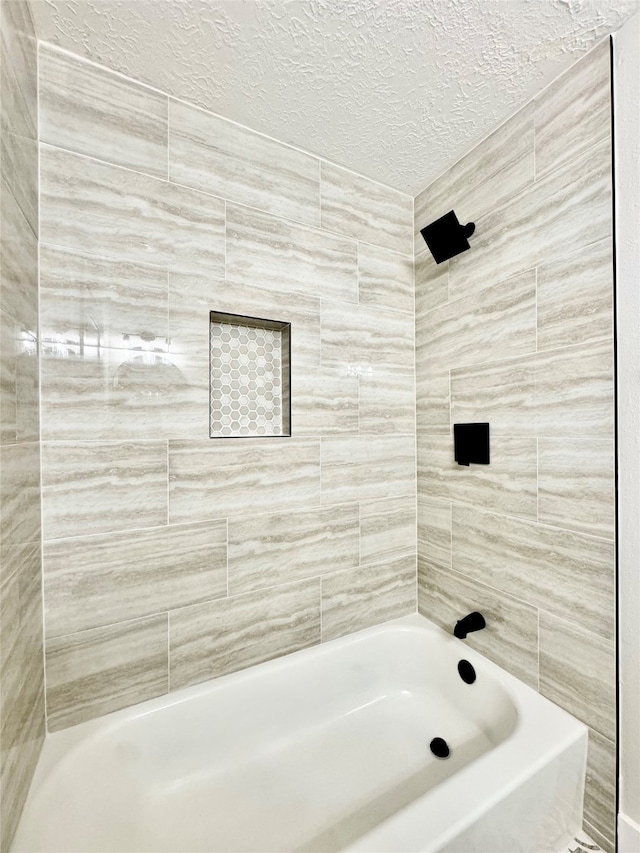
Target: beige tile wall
[22, 718]
[232, 551]
[518, 332]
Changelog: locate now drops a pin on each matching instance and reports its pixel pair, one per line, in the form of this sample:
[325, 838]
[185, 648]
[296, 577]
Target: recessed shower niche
[249, 376]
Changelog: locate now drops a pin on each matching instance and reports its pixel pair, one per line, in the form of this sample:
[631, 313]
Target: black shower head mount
[446, 237]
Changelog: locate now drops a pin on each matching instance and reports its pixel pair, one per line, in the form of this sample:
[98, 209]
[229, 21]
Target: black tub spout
[473, 622]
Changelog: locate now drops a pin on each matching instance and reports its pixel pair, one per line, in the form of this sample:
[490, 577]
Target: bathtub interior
[309, 752]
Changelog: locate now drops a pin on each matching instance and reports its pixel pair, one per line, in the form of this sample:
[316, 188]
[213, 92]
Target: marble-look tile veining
[566, 209]
[269, 550]
[225, 159]
[576, 485]
[366, 467]
[211, 639]
[358, 598]
[575, 297]
[240, 476]
[577, 671]
[600, 793]
[359, 336]
[98, 580]
[507, 485]
[130, 216]
[573, 114]
[566, 392]
[89, 110]
[434, 531]
[103, 486]
[268, 251]
[387, 528]
[324, 401]
[94, 672]
[567, 574]
[385, 279]
[499, 322]
[365, 210]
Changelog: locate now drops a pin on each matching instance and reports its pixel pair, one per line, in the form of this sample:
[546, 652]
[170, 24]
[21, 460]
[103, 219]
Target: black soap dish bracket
[471, 444]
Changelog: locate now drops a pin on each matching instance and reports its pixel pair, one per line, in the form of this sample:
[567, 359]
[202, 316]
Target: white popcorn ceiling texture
[394, 89]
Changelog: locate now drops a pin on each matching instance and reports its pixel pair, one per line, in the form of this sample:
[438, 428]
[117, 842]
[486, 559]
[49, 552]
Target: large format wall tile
[365, 210]
[433, 406]
[499, 322]
[385, 279]
[113, 212]
[360, 336]
[98, 671]
[577, 671]
[575, 297]
[565, 573]
[484, 178]
[387, 528]
[576, 485]
[431, 283]
[323, 401]
[573, 114]
[98, 580]
[268, 550]
[600, 792]
[225, 159]
[102, 486]
[98, 301]
[129, 398]
[267, 251]
[227, 477]
[193, 297]
[434, 531]
[22, 717]
[19, 494]
[565, 210]
[367, 467]
[507, 485]
[566, 392]
[18, 108]
[511, 635]
[19, 248]
[92, 111]
[356, 599]
[208, 640]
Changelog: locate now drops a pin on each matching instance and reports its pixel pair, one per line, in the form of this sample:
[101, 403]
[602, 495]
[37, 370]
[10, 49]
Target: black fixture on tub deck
[471, 444]
[472, 622]
[446, 237]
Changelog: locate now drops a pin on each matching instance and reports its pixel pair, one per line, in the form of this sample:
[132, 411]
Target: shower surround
[518, 332]
[168, 557]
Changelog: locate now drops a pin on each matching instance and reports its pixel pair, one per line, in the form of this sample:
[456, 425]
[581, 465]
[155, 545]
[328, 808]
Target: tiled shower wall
[170, 557]
[21, 663]
[518, 332]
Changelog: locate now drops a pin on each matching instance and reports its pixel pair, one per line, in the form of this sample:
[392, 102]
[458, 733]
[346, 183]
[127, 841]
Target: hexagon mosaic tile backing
[249, 379]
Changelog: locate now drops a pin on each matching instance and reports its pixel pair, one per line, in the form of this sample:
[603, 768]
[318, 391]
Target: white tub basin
[326, 749]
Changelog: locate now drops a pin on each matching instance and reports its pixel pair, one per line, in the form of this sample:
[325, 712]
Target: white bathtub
[326, 749]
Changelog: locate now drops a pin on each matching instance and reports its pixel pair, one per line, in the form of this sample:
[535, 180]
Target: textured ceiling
[394, 89]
